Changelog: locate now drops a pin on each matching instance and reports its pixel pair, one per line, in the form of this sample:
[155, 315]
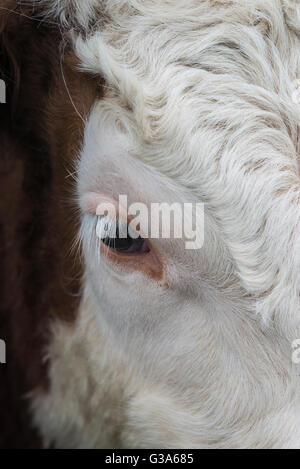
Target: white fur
[69, 12]
[198, 108]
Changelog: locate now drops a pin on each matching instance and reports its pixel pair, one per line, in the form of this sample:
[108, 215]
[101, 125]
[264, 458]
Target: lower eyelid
[147, 263]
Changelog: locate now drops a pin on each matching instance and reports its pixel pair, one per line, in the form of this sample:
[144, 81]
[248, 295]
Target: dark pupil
[127, 244]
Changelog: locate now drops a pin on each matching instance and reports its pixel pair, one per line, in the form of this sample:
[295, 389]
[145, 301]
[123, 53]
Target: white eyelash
[107, 226]
[87, 237]
[93, 230]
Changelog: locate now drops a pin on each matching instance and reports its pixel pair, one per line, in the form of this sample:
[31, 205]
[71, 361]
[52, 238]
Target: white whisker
[64, 78]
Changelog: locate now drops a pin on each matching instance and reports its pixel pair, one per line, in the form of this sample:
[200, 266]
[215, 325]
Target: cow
[141, 342]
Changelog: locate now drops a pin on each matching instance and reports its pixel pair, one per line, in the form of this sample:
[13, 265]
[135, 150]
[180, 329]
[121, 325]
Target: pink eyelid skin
[91, 202]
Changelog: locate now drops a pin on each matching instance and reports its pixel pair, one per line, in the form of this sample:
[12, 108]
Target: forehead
[203, 91]
[191, 91]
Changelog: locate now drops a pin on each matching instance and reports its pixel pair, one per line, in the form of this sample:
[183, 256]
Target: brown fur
[40, 133]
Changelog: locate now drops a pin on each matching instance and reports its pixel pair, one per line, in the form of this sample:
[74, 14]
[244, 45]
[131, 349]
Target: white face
[199, 110]
[193, 114]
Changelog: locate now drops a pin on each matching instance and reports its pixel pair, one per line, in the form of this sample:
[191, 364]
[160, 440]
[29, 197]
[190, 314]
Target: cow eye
[126, 244]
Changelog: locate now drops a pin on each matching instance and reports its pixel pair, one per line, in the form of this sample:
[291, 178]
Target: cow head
[197, 106]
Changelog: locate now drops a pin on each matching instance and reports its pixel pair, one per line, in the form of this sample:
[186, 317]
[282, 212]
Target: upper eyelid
[111, 224]
[93, 202]
[101, 223]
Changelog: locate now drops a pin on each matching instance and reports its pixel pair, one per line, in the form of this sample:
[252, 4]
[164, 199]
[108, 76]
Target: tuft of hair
[76, 14]
[291, 9]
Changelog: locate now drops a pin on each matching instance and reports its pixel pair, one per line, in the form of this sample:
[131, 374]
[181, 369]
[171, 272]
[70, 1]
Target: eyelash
[116, 235]
[146, 261]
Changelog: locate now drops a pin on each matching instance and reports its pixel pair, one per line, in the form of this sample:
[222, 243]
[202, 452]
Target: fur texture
[197, 107]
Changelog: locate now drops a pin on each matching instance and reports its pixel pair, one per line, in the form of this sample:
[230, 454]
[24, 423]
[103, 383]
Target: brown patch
[40, 134]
